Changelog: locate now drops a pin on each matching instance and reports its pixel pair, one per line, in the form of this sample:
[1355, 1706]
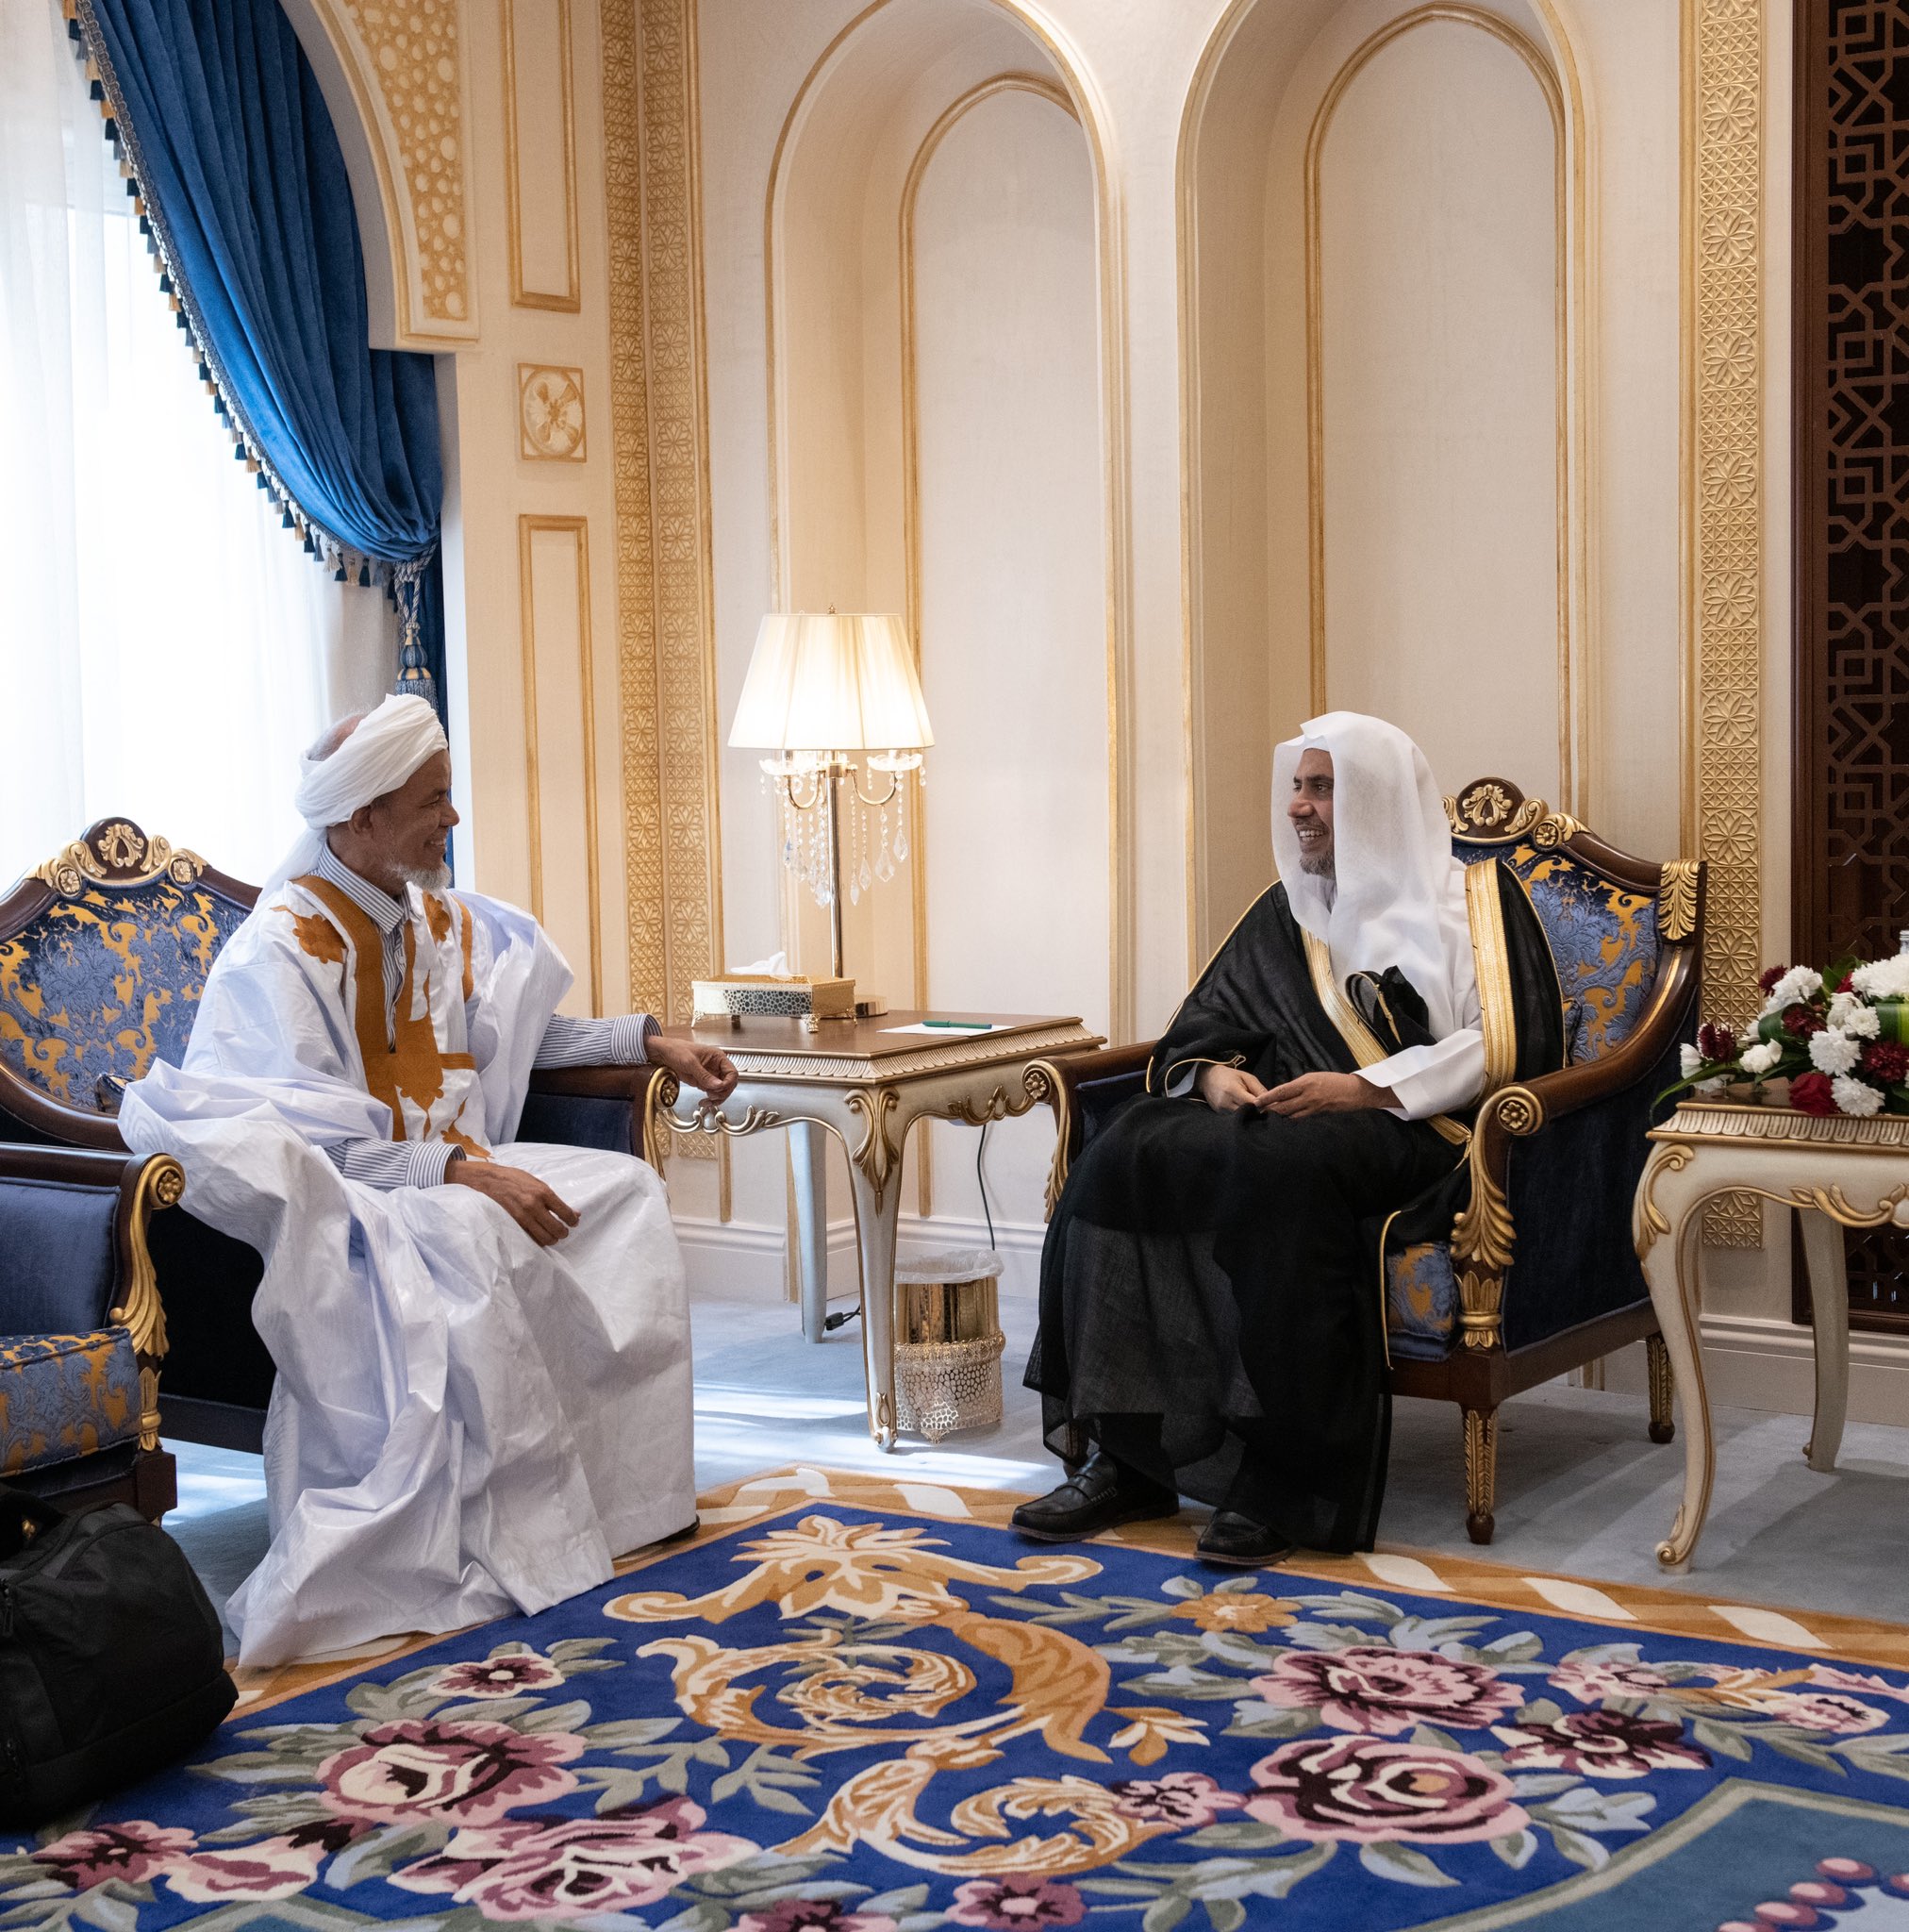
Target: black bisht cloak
[1212, 1308]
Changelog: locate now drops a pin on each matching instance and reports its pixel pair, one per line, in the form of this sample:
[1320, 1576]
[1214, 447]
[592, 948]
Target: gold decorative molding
[1648, 1223]
[1677, 899]
[1722, 506]
[411, 54]
[578, 529]
[116, 854]
[659, 443]
[1569, 274]
[1481, 1232]
[569, 300]
[550, 414]
[875, 1153]
[161, 1184]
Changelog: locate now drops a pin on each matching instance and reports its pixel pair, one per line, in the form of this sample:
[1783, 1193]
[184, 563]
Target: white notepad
[944, 1032]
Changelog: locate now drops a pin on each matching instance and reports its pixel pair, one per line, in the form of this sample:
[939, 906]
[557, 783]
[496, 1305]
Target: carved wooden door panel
[1851, 833]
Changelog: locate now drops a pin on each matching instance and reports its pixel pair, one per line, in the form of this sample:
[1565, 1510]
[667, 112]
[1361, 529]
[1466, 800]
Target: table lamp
[821, 688]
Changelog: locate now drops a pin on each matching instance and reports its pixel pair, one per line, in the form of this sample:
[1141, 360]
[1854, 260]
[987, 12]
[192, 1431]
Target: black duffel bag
[111, 1663]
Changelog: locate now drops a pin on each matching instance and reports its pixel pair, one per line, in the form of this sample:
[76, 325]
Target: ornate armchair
[1537, 1275]
[82, 1331]
[103, 953]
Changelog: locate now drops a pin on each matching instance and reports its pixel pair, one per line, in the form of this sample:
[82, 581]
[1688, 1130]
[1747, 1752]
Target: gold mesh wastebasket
[948, 1341]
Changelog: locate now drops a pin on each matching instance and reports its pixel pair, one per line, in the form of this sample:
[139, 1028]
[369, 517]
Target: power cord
[831, 1322]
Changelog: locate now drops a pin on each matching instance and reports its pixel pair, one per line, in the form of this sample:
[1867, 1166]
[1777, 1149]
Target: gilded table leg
[1830, 1318]
[1657, 1369]
[811, 1223]
[1670, 1268]
[876, 1181]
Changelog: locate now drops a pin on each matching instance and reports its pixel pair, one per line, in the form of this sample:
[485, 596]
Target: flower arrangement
[1842, 1050]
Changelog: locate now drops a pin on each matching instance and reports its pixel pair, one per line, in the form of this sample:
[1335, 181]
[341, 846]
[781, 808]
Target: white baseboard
[1753, 1362]
[744, 1260]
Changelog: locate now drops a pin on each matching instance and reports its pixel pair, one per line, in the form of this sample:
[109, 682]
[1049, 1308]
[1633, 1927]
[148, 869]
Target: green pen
[966, 1026]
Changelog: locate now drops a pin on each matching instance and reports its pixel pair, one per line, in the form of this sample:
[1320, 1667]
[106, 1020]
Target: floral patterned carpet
[826, 1716]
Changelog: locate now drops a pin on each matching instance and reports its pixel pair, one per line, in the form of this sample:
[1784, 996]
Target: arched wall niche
[1385, 428]
[943, 321]
[860, 139]
[397, 82]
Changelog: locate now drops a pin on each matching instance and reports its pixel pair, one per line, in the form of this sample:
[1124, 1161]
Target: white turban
[1397, 894]
[388, 745]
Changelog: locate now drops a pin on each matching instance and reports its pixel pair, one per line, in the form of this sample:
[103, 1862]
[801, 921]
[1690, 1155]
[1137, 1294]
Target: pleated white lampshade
[831, 681]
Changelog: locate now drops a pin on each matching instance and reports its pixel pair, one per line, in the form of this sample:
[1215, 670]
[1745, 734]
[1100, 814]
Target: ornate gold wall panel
[408, 57]
[659, 439]
[1723, 464]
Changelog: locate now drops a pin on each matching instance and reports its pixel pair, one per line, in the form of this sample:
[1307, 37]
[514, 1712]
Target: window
[167, 649]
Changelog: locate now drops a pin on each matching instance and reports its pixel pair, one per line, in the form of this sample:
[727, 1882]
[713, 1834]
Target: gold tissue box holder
[948, 1342]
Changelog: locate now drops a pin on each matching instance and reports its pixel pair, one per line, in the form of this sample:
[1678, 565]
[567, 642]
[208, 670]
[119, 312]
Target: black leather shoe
[1099, 1496]
[1231, 1538]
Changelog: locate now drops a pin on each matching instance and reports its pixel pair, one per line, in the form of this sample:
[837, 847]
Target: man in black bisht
[1212, 1313]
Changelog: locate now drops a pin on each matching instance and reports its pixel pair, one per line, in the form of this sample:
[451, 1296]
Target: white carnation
[1688, 1059]
[1832, 1052]
[1855, 1097]
[1853, 1017]
[1709, 1089]
[1799, 983]
[1760, 1059]
[1884, 979]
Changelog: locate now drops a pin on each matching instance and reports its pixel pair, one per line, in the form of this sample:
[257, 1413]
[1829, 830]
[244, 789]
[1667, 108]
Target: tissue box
[760, 993]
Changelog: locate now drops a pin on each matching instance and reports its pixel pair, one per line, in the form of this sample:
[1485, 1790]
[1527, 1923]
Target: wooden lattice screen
[1852, 504]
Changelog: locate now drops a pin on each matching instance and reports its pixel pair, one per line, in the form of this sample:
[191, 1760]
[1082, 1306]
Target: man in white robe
[483, 1349]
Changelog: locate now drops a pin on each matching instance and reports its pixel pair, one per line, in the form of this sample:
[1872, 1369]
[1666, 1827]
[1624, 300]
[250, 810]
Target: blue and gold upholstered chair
[1537, 1275]
[82, 1331]
[103, 953]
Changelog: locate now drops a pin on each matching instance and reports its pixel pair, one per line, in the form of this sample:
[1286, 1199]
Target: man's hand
[706, 1067]
[535, 1208]
[1314, 1093]
[1227, 1090]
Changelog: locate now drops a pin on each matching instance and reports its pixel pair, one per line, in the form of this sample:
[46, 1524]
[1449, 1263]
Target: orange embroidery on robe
[464, 937]
[403, 1062]
[318, 939]
[437, 916]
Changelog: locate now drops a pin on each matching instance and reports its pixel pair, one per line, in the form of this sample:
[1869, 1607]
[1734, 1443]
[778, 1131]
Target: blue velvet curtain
[231, 145]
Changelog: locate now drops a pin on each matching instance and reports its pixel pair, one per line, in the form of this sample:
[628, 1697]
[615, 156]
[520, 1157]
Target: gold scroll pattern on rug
[838, 1692]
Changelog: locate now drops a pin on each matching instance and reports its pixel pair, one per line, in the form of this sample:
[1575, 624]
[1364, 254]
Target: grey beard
[1319, 866]
[427, 878]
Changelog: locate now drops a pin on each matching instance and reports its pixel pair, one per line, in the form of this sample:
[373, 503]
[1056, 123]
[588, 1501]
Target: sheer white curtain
[166, 649]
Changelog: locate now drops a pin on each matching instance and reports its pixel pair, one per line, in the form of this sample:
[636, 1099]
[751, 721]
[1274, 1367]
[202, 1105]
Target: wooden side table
[1837, 1171]
[868, 1082]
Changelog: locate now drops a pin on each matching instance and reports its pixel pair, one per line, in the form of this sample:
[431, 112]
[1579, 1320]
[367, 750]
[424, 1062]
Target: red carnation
[1848, 983]
[1885, 1063]
[1811, 1094]
[1800, 1021]
[1716, 1041]
[1765, 983]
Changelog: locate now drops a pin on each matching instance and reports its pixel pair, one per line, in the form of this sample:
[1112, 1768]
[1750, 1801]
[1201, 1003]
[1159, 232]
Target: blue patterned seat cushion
[1603, 938]
[1421, 1301]
[98, 987]
[64, 1396]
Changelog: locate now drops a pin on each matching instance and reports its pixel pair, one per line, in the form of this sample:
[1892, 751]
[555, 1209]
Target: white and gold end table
[1837, 1171]
[868, 1082]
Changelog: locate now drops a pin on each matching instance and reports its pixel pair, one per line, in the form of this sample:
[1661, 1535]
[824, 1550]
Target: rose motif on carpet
[846, 1720]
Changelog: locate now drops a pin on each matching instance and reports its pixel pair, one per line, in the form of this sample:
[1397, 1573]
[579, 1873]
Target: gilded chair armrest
[136, 1185]
[26, 1110]
[1064, 1078]
[1483, 1235]
[605, 1107]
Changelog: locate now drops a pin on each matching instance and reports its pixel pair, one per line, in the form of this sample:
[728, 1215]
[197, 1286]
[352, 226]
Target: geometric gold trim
[1722, 504]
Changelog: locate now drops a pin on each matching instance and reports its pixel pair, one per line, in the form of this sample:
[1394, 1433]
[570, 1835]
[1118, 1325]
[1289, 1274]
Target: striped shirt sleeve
[621, 1042]
[387, 1164]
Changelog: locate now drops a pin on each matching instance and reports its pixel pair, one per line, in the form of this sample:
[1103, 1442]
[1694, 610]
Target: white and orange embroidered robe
[463, 1423]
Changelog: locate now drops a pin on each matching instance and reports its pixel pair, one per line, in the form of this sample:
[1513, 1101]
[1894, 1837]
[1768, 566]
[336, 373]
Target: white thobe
[464, 1424]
